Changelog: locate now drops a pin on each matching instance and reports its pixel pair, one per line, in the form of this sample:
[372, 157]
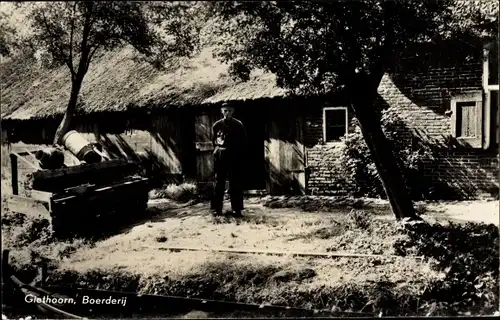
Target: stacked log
[50, 158]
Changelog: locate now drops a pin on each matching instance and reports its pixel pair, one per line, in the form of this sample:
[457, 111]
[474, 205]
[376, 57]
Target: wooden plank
[274, 157]
[285, 155]
[84, 168]
[467, 124]
[267, 157]
[41, 195]
[204, 166]
[284, 253]
[32, 165]
[299, 156]
[467, 119]
[166, 142]
[100, 174]
[29, 206]
[478, 120]
[117, 188]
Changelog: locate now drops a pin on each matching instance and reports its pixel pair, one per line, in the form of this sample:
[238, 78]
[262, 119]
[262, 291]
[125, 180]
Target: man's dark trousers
[227, 166]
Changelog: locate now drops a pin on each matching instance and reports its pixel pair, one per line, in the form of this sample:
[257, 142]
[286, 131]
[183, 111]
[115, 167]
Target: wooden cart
[75, 198]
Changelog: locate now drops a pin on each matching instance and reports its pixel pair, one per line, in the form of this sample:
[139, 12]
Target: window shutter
[467, 119]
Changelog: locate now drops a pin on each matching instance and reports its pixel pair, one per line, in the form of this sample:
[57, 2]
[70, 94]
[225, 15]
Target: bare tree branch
[83, 64]
[72, 31]
[91, 54]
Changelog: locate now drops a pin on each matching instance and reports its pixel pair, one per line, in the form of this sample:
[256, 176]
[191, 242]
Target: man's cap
[227, 105]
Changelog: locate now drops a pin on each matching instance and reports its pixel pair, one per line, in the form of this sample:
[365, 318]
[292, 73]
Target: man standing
[228, 137]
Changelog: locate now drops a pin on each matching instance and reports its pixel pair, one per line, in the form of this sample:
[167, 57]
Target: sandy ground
[139, 248]
[474, 211]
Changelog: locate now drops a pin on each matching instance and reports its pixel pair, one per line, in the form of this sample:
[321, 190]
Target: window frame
[325, 109]
[488, 88]
[477, 98]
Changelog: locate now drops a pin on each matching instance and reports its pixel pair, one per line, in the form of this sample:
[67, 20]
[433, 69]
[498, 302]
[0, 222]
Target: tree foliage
[316, 47]
[7, 35]
[73, 32]
[476, 17]
[76, 29]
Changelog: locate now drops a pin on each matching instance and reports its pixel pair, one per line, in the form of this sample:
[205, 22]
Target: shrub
[181, 193]
[467, 255]
[31, 241]
[357, 172]
[359, 219]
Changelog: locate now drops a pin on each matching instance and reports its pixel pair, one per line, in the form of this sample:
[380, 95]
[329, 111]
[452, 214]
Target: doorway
[254, 162]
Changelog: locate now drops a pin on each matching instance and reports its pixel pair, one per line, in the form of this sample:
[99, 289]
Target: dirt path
[138, 249]
[473, 211]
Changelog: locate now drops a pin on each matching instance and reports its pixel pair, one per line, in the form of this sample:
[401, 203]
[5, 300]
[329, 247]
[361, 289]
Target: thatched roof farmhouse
[294, 140]
[117, 82]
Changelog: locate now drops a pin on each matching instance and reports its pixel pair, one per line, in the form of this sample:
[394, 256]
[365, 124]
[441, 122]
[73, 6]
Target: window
[335, 123]
[467, 118]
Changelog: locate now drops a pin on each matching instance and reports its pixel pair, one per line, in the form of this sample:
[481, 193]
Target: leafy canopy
[316, 47]
[77, 30]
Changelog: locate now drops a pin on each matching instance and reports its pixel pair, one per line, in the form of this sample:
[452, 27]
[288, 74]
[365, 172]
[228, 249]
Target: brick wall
[422, 98]
[322, 158]
[420, 93]
[466, 176]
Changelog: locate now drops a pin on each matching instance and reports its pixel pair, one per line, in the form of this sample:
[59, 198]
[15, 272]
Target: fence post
[5, 265]
[14, 178]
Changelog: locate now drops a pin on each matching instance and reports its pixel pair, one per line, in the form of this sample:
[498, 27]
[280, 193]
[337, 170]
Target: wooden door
[204, 147]
[285, 155]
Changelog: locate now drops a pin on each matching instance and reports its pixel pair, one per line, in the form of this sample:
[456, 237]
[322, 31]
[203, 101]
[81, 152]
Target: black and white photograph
[249, 159]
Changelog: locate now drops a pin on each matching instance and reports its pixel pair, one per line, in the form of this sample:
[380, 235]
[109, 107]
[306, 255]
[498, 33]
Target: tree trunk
[383, 157]
[65, 124]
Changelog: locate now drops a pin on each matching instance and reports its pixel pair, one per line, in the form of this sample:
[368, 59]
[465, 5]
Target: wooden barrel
[80, 147]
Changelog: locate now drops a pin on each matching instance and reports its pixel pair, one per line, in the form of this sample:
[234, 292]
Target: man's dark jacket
[229, 135]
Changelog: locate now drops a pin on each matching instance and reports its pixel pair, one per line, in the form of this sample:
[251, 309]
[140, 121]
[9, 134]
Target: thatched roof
[117, 82]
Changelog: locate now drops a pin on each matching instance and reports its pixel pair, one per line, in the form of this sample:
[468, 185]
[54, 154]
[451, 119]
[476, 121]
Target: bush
[358, 174]
[31, 241]
[359, 219]
[181, 193]
[467, 255]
